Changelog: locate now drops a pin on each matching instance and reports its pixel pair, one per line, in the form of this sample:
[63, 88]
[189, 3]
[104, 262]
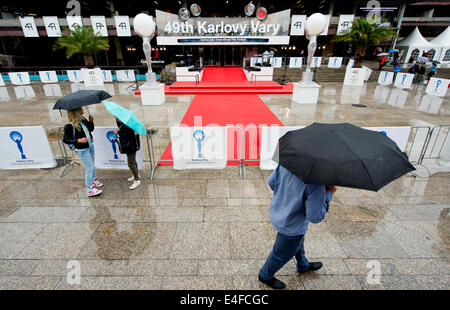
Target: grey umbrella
[81, 98]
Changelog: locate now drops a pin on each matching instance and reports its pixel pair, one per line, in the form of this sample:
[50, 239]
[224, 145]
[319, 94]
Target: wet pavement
[210, 229]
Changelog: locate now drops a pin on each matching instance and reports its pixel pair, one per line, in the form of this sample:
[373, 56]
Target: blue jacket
[295, 204]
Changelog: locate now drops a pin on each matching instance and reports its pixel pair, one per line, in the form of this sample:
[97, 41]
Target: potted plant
[83, 41]
[362, 35]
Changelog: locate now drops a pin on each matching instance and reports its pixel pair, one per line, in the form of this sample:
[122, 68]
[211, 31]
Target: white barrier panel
[107, 155]
[199, 147]
[295, 62]
[335, 62]
[19, 78]
[404, 80]
[350, 64]
[52, 90]
[122, 26]
[125, 76]
[75, 76]
[107, 76]
[74, 21]
[28, 26]
[269, 140]
[398, 97]
[354, 76]
[25, 148]
[298, 25]
[52, 26]
[4, 95]
[48, 76]
[437, 87]
[316, 62]
[76, 87]
[270, 136]
[24, 92]
[381, 94]
[2, 82]
[277, 61]
[385, 78]
[92, 77]
[430, 104]
[367, 72]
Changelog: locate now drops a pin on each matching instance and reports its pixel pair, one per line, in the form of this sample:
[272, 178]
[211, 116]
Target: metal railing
[196, 76]
[437, 139]
[424, 143]
[253, 78]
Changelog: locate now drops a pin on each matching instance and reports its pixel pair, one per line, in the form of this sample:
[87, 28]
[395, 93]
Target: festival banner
[107, 154]
[29, 26]
[125, 76]
[298, 25]
[437, 87]
[92, 77]
[74, 21]
[75, 76]
[19, 78]
[122, 26]
[48, 76]
[99, 25]
[52, 27]
[271, 134]
[335, 62]
[25, 148]
[385, 78]
[295, 62]
[345, 23]
[199, 147]
[404, 80]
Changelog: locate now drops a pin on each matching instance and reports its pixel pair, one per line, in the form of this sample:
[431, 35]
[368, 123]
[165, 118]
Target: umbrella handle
[87, 109]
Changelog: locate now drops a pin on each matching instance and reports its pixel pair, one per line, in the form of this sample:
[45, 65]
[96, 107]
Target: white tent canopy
[416, 44]
[442, 41]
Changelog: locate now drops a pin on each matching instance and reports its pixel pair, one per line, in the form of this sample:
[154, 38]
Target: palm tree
[84, 41]
[363, 35]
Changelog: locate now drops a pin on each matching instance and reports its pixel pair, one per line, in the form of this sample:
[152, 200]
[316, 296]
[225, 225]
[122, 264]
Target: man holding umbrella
[335, 154]
[294, 205]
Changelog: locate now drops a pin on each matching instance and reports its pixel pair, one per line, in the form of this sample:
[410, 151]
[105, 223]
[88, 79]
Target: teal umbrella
[125, 116]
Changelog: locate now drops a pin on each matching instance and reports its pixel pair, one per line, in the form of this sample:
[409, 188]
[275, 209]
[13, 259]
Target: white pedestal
[306, 93]
[152, 95]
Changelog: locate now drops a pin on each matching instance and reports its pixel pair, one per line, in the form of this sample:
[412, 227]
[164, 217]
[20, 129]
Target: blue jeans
[284, 249]
[87, 157]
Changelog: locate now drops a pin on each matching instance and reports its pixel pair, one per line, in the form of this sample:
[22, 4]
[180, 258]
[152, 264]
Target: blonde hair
[75, 117]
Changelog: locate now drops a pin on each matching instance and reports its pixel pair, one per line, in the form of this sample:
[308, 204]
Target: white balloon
[144, 25]
[315, 24]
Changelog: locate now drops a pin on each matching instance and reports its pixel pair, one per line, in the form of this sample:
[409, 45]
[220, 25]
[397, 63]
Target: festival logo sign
[25, 147]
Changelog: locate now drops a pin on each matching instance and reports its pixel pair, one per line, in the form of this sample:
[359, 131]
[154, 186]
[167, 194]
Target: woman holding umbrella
[78, 134]
[129, 144]
[129, 129]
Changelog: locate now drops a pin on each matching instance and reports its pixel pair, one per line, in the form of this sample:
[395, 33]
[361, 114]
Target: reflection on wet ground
[211, 229]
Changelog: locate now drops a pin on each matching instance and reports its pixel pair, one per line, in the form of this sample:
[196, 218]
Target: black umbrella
[342, 155]
[81, 98]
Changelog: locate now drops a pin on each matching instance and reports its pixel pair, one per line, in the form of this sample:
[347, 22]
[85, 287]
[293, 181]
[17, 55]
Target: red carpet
[229, 109]
[232, 80]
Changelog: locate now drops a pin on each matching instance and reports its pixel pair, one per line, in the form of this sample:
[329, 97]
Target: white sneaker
[131, 179]
[135, 184]
[93, 191]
